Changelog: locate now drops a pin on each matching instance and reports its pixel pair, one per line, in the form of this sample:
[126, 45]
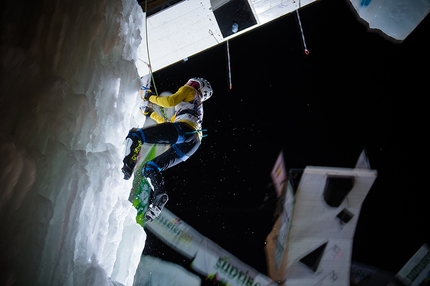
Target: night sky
[356, 89]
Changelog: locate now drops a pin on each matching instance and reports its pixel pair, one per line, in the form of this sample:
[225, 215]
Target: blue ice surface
[365, 2]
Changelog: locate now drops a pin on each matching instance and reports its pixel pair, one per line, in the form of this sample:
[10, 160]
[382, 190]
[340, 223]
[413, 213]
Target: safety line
[229, 67]
[147, 46]
[163, 113]
[303, 35]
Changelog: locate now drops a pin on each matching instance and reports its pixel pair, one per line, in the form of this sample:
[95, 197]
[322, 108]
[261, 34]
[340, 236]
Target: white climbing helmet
[205, 87]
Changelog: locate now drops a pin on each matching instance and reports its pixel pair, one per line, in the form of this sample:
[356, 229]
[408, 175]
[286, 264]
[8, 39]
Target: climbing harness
[198, 130]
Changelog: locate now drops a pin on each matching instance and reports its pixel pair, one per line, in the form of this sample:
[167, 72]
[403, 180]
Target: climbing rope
[147, 47]
[163, 113]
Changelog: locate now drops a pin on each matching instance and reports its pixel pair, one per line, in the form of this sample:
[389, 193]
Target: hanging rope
[163, 113]
[147, 47]
[229, 68]
[303, 35]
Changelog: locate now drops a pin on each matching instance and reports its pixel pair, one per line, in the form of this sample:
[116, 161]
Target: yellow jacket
[187, 103]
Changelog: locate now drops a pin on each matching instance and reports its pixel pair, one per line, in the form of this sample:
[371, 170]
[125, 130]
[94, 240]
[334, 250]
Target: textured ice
[69, 96]
[396, 18]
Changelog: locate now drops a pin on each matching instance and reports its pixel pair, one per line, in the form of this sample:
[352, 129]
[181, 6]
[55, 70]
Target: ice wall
[396, 18]
[68, 98]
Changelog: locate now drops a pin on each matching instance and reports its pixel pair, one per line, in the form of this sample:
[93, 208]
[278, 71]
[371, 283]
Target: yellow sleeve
[157, 117]
[184, 93]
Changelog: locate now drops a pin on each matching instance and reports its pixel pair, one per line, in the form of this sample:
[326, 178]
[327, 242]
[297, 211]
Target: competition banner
[176, 233]
[225, 269]
[417, 270]
[210, 260]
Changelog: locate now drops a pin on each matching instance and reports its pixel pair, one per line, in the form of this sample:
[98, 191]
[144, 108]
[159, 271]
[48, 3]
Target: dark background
[357, 89]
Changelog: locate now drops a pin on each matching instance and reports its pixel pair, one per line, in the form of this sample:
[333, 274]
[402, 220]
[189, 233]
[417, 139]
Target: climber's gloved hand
[148, 94]
[147, 111]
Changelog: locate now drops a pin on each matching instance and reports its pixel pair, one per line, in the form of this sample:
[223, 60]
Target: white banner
[417, 269]
[176, 233]
[210, 259]
[222, 267]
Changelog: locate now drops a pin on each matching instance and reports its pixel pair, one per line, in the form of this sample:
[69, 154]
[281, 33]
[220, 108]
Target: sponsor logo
[174, 227]
[233, 273]
[136, 151]
[420, 267]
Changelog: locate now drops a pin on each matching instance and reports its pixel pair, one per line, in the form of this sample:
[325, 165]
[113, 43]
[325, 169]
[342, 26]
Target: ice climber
[183, 132]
